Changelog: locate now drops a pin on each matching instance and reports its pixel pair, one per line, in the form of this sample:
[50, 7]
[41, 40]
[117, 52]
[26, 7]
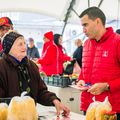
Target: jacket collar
[107, 34]
[13, 61]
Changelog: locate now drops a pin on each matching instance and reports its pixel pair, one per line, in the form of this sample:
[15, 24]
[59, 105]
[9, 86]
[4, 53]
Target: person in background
[100, 61]
[62, 57]
[78, 52]
[5, 25]
[18, 74]
[118, 31]
[48, 60]
[32, 51]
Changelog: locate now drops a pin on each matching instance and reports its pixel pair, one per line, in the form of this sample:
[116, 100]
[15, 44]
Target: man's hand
[80, 83]
[98, 88]
[59, 106]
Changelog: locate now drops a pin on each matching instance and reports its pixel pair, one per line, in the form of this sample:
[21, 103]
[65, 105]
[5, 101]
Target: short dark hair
[93, 13]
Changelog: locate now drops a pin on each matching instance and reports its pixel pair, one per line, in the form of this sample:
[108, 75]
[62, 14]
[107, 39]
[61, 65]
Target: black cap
[8, 40]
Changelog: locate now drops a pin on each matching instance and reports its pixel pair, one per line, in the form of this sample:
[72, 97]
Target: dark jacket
[33, 52]
[9, 81]
[78, 55]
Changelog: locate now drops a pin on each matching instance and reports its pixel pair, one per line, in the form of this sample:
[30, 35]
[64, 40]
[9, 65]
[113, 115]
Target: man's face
[4, 29]
[90, 27]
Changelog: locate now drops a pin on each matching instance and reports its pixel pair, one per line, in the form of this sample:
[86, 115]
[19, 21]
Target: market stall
[49, 113]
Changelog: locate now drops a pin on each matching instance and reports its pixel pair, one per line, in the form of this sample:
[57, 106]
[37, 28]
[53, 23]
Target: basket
[58, 81]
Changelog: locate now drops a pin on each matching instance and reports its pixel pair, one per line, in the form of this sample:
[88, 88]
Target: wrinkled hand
[59, 106]
[36, 62]
[80, 83]
[35, 59]
[97, 88]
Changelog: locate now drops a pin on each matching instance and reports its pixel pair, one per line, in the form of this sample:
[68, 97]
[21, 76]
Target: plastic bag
[90, 114]
[22, 108]
[102, 108]
[97, 109]
[3, 111]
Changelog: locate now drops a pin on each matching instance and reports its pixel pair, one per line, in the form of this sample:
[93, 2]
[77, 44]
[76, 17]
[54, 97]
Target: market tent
[60, 8]
[63, 10]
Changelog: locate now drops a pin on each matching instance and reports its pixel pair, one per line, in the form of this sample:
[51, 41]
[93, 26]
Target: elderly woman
[18, 74]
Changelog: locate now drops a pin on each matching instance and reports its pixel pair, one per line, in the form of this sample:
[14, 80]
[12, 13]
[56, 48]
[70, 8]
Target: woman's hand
[59, 106]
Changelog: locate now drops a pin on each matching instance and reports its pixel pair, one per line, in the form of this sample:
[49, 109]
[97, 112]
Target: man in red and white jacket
[100, 61]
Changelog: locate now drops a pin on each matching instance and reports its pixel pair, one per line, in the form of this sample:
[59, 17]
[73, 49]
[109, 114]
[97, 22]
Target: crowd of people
[98, 58]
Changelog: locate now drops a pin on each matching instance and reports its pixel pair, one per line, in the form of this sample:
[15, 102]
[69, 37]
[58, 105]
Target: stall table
[49, 113]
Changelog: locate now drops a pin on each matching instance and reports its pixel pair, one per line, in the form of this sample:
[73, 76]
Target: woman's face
[60, 40]
[45, 40]
[19, 48]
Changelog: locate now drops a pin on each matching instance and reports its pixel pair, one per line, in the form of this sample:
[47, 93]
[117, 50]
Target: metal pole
[100, 3]
[68, 14]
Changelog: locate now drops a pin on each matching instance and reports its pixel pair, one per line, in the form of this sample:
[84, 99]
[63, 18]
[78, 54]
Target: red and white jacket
[101, 63]
[48, 59]
[62, 57]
